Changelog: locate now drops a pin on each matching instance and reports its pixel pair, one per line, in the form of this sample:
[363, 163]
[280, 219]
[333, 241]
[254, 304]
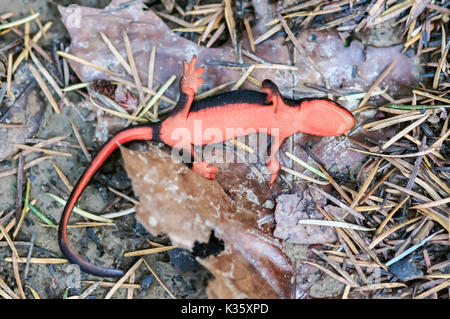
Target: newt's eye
[325, 118]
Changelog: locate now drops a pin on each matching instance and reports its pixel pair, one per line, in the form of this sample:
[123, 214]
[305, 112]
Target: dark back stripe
[233, 97]
[239, 97]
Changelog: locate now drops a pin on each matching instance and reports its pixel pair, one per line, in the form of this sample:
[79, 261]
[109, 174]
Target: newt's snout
[324, 118]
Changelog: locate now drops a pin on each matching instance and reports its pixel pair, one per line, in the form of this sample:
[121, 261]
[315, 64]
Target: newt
[240, 110]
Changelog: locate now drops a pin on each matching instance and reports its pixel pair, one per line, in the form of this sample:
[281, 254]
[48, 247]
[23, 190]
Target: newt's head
[324, 118]
[321, 117]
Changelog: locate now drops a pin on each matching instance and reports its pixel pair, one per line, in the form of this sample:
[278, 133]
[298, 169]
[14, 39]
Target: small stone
[147, 281]
[182, 259]
[406, 269]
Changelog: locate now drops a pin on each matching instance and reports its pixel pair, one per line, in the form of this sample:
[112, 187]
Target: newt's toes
[204, 170]
[274, 167]
[273, 178]
[191, 75]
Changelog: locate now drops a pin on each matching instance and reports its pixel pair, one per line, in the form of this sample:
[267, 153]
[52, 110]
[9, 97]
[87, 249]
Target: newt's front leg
[273, 94]
[190, 82]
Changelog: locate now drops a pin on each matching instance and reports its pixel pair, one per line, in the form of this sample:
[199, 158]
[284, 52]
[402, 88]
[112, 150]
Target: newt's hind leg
[272, 163]
[202, 168]
[190, 82]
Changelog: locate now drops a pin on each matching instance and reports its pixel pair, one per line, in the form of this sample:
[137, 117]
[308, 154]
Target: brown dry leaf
[240, 177]
[189, 208]
[354, 67]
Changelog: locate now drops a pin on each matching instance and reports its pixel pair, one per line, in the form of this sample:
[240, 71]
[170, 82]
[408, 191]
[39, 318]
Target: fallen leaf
[194, 211]
[354, 67]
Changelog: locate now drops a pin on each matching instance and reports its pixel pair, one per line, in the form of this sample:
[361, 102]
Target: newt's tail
[139, 132]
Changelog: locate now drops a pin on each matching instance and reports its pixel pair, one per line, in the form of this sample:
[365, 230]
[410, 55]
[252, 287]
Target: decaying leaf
[194, 211]
[353, 68]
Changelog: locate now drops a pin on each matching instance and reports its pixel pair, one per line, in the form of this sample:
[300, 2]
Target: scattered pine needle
[159, 280]
[50, 141]
[148, 251]
[45, 89]
[111, 284]
[365, 185]
[62, 176]
[19, 22]
[238, 84]
[120, 214]
[305, 177]
[377, 83]
[432, 204]
[332, 224]
[34, 39]
[116, 286]
[49, 79]
[248, 28]
[158, 94]
[330, 273]
[41, 261]
[382, 236]
[25, 166]
[433, 290]
[80, 211]
[33, 292]
[213, 91]
[116, 53]
[77, 86]
[305, 165]
[42, 150]
[86, 63]
[25, 208]
[119, 114]
[80, 141]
